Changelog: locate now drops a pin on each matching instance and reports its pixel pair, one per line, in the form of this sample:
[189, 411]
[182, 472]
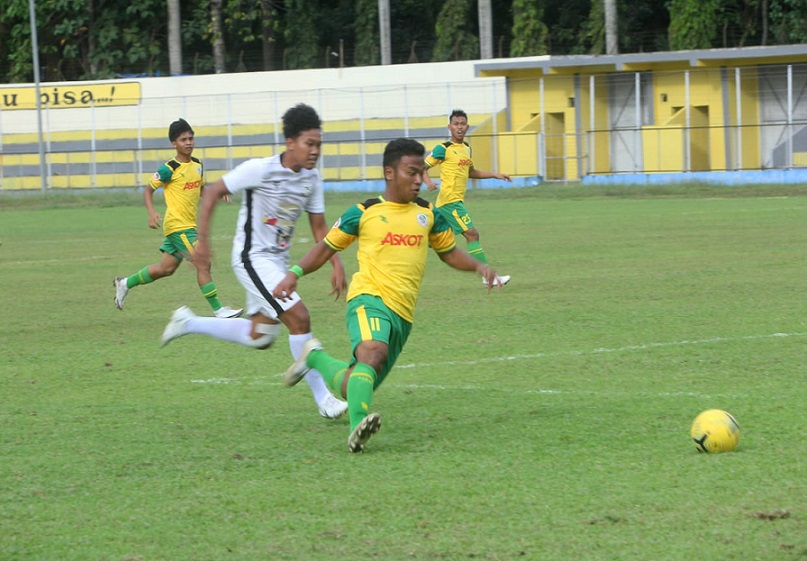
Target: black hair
[300, 118]
[400, 147]
[457, 113]
[177, 128]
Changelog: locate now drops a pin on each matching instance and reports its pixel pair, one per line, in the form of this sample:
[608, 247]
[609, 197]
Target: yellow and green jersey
[394, 240]
[183, 184]
[455, 166]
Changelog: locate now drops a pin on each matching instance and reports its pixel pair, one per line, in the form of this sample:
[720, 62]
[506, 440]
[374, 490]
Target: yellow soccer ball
[715, 430]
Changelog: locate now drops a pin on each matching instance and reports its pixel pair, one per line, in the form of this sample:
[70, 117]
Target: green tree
[788, 19]
[367, 46]
[413, 24]
[592, 32]
[455, 30]
[529, 30]
[81, 40]
[16, 64]
[694, 24]
[301, 35]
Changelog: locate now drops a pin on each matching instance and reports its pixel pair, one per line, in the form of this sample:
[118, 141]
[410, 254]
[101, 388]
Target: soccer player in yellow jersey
[456, 167]
[182, 179]
[394, 233]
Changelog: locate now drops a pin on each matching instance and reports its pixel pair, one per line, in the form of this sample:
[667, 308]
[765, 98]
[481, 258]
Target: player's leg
[298, 321]
[259, 331]
[259, 277]
[169, 261]
[462, 224]
[457, 216]
[188, 240]
[378, 335]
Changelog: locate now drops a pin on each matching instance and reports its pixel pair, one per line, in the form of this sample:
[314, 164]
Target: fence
[554, 127]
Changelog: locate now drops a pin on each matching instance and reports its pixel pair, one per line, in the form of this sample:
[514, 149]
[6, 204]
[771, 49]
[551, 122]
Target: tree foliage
[789, 20]
[302, 50]
[455, 31]
[694, 23]
[368, 50]
[529, 29]
[94, 39]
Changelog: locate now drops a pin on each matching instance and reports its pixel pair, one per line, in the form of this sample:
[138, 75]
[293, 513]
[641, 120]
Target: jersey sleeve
[437, 155]
[243, 177]
[346, 229]
[316, 202]
[161, 177]
[441, 237]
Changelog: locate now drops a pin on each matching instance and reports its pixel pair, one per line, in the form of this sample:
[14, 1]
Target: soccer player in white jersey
[275, 192]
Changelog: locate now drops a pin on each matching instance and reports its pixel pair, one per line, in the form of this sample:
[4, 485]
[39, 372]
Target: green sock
[140, 277]
[475, 250]
[360, 393]
[329, 367]
[211, 294]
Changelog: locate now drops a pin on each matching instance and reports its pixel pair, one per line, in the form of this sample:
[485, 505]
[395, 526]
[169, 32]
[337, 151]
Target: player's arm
[338, 278]
[435, 158]
[160, 178]
[211, 195]
[428, 181]
[316, 257]
[461, 261]
[154, 217]
[479, 174]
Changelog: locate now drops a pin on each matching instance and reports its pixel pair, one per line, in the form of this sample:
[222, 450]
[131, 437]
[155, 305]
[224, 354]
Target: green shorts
[369, 319]
[180, 244]
[457, 216]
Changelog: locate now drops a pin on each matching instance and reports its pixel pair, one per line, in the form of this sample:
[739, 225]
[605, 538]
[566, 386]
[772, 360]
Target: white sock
[235, 330]
[314, 378]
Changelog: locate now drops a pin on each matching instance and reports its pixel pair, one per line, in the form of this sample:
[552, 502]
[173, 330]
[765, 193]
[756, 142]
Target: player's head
[180, 134]
[400, 147]
[303, 131]
[458, 125]
[300, 118]
[458, 113]
[178, 127]
[403, 169]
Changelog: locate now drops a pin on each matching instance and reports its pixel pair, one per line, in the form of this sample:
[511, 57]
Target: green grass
[549, 420]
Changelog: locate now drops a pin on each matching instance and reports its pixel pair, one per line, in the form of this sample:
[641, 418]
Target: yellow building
[688, 111]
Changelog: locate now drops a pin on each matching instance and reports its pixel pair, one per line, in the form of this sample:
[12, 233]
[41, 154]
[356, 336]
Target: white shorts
[259, 280]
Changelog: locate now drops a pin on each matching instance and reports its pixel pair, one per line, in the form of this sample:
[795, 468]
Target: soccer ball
[715, 430]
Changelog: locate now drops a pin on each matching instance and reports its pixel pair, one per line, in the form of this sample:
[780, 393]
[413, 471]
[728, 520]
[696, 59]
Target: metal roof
[567, 64]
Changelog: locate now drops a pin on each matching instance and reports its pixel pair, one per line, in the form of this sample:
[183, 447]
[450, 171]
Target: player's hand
[432, 185]
[503, 177]
[338, 282]
[226, 198]
[286, 287]
[489, 275]
[155, 220]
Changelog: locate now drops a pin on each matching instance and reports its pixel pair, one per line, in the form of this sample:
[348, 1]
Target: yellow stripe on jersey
[455, 165]
[182, 183]
[394, 239]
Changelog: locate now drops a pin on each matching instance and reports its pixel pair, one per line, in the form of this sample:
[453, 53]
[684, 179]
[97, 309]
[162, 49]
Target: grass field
[547, 421]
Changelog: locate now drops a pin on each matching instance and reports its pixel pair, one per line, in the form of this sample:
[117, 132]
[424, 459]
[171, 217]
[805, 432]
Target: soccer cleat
[332, 408]
[177, 326]
[503, 280]
[228, 312]
[121, 290]
[362, 433]
[299, 368]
